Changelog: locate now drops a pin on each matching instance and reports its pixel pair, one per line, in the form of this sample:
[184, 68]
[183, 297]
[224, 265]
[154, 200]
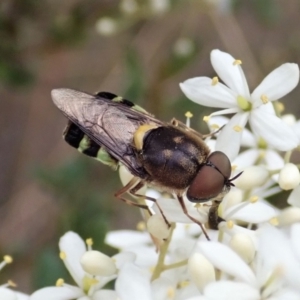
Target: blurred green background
[138, 49]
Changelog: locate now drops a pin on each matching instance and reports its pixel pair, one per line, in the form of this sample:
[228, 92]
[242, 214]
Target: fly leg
[181, 125]
[184, 209]
[132, 187]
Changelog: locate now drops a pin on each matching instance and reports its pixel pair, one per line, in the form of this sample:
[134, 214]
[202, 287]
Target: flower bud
[289, 177]
[157, 227]
[106, 26]
[252, 177]
[201, 270]
[97, 263]
[243, 246]
[289, 216]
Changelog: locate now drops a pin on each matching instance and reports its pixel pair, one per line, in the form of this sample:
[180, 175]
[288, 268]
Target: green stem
[175, 265]
[159, 268]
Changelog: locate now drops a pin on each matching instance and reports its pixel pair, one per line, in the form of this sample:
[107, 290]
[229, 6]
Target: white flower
[273, 274]
[236, 98]
[90, 269]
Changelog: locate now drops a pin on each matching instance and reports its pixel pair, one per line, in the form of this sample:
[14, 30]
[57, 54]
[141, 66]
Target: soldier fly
[170, 156]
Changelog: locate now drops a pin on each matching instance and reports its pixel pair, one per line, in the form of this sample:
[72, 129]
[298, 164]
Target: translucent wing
[110, 124]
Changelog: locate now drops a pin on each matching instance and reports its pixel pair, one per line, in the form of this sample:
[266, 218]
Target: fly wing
[108, 123]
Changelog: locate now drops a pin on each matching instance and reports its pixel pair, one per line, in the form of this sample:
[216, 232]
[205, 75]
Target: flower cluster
[254, 254]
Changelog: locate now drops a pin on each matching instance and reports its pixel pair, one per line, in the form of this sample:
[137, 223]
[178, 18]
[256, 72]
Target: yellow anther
[8, 259]
[170, 293]
[237, 62]
[233, 167]
[141, 226]
[89, 242]
[279, 106]
[59, 282]
[264, 99]
[254, 199]
[188, 114]
[11, 283]
[229, 224]
[274, 221]
[62, 255]
[206, 118]
[214, 126]
[237, 128]
[198, 205]
[183, 284]
[215, 80]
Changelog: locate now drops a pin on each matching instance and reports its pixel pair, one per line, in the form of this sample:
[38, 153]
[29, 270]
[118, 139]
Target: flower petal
[225, 259]
[105, 295]
[295, 241]
[202, 91]
[273, 130]
[224, 290]
[294, 197]
[133, 283]
[7, 294]
[245, 159]
[21, 296]
[277, 84]
[73, 246]
[249, 212]
[229, 139]
[231, 74]
[174, 212]
[57, 293]
[122, 239]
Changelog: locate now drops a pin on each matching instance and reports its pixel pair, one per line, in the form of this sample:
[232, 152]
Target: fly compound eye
[211, 178]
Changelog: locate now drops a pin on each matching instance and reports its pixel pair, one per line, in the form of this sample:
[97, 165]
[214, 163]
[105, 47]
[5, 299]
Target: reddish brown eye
[210, 179]
[221, 162]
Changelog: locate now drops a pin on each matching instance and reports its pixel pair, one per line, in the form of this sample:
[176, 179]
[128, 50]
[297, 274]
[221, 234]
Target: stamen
[229, 224]
[89, 242]
[233, 167]
[11, 283]
[215, 80]
[59, 282]
[279, 106]
[214, 126]
[141, 226]
[274, 221]
[183, 284]
[188, 114]
[8, 259]
[62, 255]
[253, 199]
[237, 128]
[206, 118]
[264, 99]
[237, 62]
[171, 293]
